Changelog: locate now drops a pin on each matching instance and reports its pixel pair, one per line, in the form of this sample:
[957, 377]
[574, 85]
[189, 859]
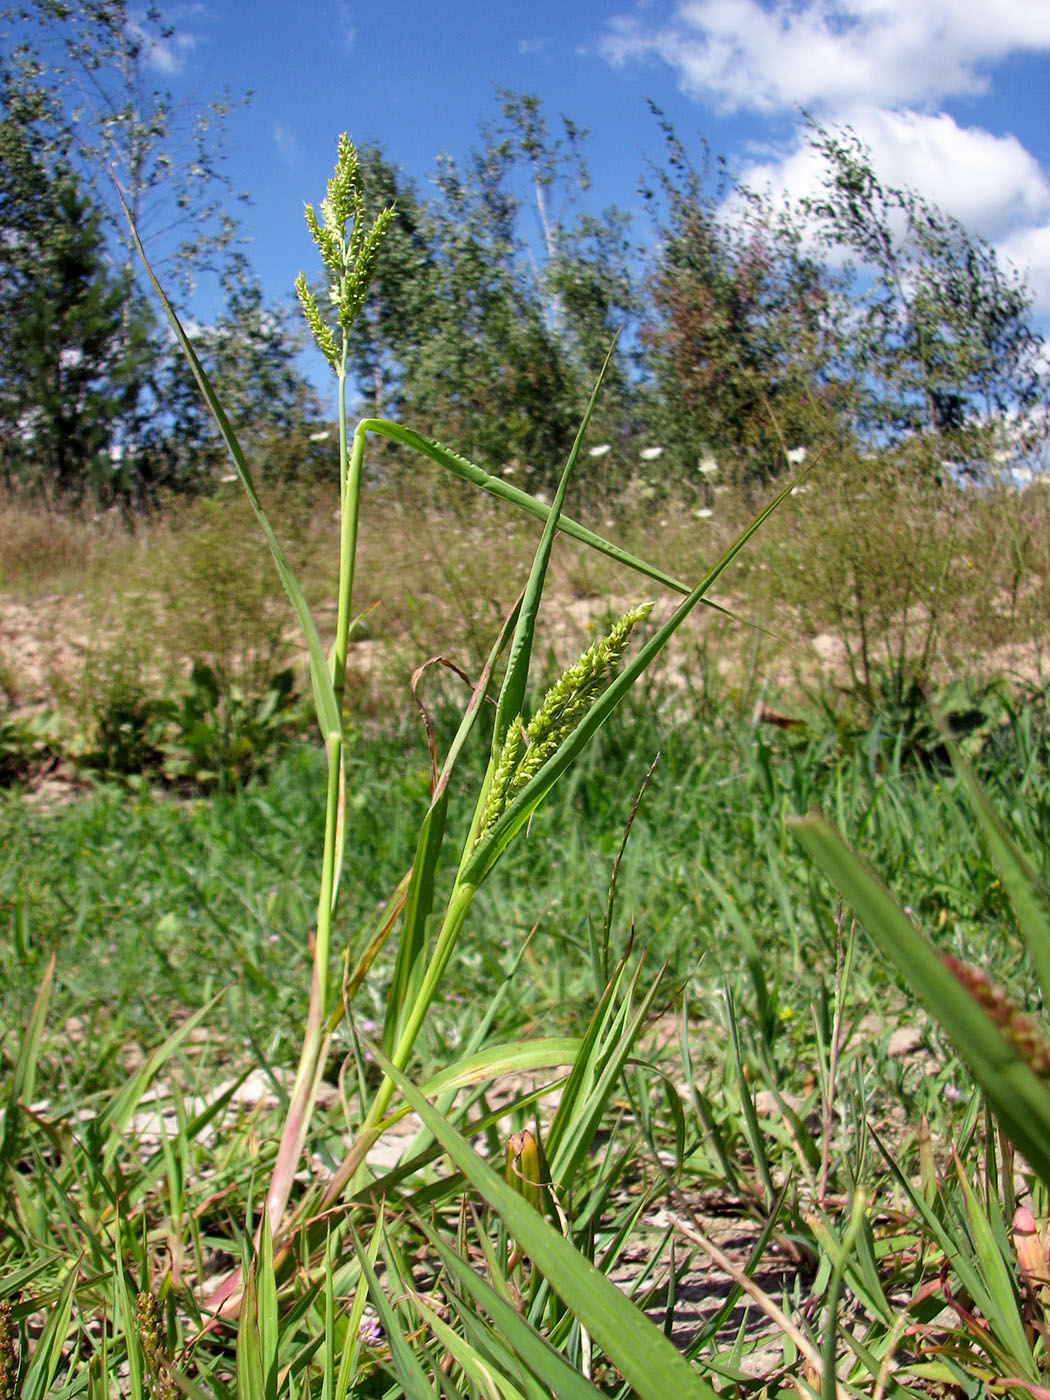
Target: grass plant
[525, 762]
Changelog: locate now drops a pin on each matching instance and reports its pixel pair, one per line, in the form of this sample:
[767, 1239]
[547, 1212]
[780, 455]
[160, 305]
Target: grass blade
[23, 1078]
[512, 693]
[641, 1352]
[548, 1365]
[1016, 1095]
[1028, 896]
[328, 715]
[503, 491]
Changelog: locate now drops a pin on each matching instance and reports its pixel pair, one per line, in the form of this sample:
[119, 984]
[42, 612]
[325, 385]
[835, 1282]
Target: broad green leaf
[266, 1298]
[1016, 1095]
[644, 1356]
[513, 1057]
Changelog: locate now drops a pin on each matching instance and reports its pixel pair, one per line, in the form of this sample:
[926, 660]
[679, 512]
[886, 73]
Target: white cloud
[287, 143]
[882, 67]
[990, 183]
[744, 54]
[1028, 249]
[167, 56]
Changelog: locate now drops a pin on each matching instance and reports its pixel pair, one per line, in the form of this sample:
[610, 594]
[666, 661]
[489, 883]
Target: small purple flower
[371, 1331]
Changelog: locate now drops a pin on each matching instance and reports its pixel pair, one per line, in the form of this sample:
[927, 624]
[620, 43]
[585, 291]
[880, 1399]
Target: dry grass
[839, 573]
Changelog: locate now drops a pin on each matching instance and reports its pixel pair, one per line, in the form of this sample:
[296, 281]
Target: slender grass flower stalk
[348, 252]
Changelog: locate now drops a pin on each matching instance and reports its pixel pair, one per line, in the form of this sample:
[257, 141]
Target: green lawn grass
[157, 906]
[156, 903]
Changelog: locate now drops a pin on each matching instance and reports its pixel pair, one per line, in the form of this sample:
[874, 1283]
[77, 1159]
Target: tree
[737, 337]
[488, 330]
[78, 107]
[69, 369]
[920, 350]
[937, 334]
[88, 65]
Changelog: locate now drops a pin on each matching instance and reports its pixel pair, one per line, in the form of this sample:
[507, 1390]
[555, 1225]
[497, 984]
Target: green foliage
[82, 408]
[166, 157]
[736, 339]
[196, 897]
[215, 1250]
[945, 363]
[487, 327]
[919, 356]
[28, 744]
[212, 733]
[72, 356]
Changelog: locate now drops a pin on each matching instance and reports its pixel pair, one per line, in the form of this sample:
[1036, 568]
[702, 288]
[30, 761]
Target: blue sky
[953, 98]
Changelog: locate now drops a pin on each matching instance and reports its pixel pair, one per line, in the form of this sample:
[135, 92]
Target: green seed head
[9, 1387]
[564, 706]
[348, 251]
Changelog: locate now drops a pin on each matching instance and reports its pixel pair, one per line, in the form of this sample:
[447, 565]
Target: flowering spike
[1019, 1030]
[564, 706]
[349, 255]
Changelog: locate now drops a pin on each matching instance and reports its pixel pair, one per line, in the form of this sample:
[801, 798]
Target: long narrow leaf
[512, 692]
[502, 490]
[419, 901]
[24, 1076]
[1016, 1095]
[328, 715]
[50, 1346]
[640, 1351]
[1027, 893]
[409, 1372]
[537, 1354]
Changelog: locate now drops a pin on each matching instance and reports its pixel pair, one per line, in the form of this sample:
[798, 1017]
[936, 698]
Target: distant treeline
[863, 324]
